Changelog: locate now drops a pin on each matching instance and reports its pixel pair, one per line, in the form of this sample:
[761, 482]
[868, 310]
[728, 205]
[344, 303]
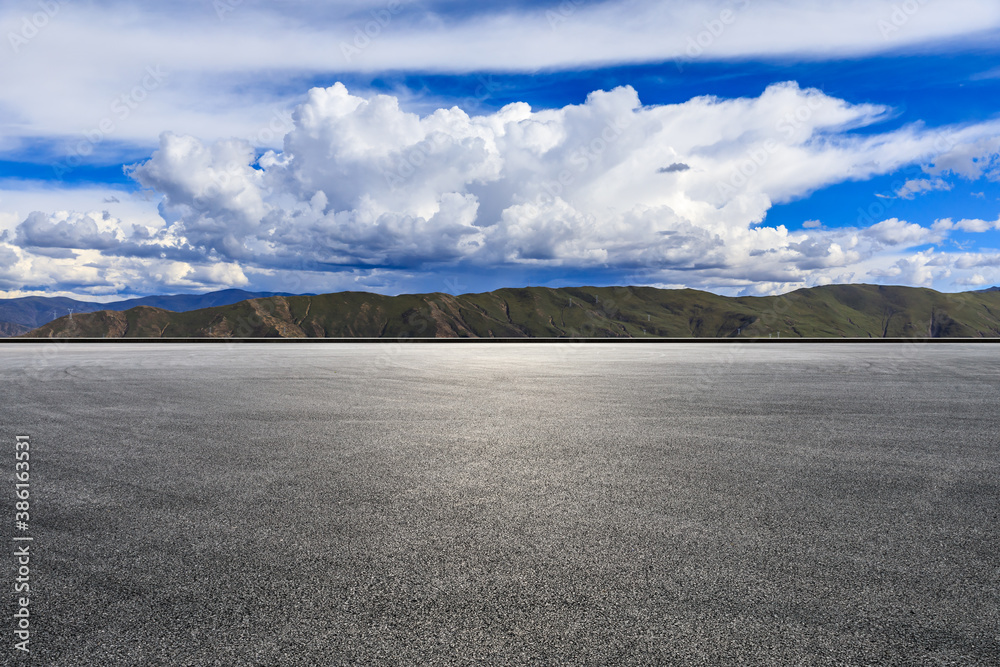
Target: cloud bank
[667, 195]
[238, 55]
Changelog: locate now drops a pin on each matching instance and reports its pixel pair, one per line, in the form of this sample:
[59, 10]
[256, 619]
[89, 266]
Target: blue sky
[733, 146]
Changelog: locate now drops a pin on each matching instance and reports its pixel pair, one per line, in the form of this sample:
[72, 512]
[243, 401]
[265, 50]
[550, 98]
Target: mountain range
[21, 315]
[833, 311]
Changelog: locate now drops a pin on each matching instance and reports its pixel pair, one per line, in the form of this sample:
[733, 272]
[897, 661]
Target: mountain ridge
[832, 311]
[23, 314]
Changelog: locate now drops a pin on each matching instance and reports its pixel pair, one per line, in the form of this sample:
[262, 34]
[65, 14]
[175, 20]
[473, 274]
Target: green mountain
[834, 311]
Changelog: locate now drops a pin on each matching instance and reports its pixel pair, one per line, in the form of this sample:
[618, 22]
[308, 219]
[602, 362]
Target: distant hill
[34, 311]
[9, 329]
[834, 311]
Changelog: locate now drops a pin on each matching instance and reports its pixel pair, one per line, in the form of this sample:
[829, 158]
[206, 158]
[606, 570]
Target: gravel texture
[508, 504]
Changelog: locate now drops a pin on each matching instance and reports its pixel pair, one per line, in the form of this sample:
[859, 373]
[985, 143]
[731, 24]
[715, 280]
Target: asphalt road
[507, 504]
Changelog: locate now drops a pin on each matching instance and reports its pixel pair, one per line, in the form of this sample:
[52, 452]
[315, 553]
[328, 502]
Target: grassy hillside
[837, 311]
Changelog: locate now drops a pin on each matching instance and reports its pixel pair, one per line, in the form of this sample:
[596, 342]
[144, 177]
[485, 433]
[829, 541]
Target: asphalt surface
[507, 504]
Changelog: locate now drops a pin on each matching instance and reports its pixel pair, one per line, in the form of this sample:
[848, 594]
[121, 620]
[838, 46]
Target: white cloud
[366, 193]
[919, 269]
[215, 275]
[970, 159]
[969, 225]
[976, 280]
[230, 76]
[18, 198]
[895, 232]
[978, 261]
[65, 231]
[918, 186]
[363, 184]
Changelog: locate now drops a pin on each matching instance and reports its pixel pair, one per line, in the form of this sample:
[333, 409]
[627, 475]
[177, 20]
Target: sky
[743, 147]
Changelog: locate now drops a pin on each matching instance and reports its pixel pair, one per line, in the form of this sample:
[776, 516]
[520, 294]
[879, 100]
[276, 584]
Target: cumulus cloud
[969, 225]
[970, 159]
[65, 231]
[214, 189]
[919, 269]
[215, 275]
[895, 232]
[363, 185]
[975, 280]
[978, 260]
[918, 186]
[9, 278]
